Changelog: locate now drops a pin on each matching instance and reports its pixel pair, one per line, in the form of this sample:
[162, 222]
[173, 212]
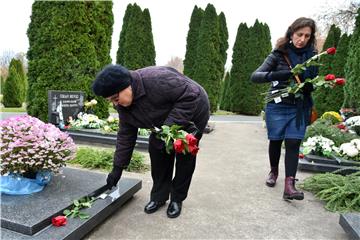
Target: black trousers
[162, 171]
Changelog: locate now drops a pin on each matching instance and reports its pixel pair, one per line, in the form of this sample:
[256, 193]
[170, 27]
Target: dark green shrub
[326, 129]
[352, 69]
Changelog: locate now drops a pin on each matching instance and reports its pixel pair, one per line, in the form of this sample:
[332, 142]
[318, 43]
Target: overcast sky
[170, 20]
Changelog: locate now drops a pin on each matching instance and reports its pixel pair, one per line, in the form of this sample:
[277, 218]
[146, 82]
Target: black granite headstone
[64, 104]
[29, 216]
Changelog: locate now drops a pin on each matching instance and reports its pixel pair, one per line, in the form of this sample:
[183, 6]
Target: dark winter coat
[161, 96]
[276, 62]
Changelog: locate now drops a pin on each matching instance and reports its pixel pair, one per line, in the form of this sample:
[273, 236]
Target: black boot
[272, 177]
[290, 192]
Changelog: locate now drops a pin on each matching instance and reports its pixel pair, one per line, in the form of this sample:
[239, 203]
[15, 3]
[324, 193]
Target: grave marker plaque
[64, 104]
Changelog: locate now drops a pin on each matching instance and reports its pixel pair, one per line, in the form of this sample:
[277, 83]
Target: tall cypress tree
[101, 15]
[246, 96]
[14, 85]
[102, 19]
[208, 59]
[149, 55]
[352, 69]
[121, 49]
[22, 90]
[136, 44]
[134, 40]
[238, 69]
[224, 99]
[224, 45]
[61, 56]
[192, 41]
[321, 96]
[334, 97]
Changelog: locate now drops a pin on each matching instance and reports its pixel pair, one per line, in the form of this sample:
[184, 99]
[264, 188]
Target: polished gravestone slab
[321, 164]
[350, 222]
[29, 216]
[95, 136]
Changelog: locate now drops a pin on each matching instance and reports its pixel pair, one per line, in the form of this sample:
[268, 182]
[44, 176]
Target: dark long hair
[296, 25]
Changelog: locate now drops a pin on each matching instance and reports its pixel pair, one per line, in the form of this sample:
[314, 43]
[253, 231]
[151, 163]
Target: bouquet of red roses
[178, 140]
[329, 80]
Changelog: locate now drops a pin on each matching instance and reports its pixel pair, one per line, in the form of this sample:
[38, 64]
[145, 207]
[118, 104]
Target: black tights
[292, 147]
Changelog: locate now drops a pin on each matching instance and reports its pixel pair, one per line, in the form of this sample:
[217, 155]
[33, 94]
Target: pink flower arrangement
[28, 144]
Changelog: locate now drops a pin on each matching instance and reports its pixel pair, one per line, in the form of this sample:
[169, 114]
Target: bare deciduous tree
[6, 57]
[342, 15]
[177, 63]
[5, 60]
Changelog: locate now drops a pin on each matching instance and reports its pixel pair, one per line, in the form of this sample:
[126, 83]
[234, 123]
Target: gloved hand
[113, 177]
[281, 75]
[307, 88]
[191, 128]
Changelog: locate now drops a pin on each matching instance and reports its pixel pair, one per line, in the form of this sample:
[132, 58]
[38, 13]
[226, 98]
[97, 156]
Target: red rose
[341, 126]
[59, 221]
[331, 51]
[329, 77]
[191, 140]
[179, 146]
[340, 81]
[301, 155]
[193, 149]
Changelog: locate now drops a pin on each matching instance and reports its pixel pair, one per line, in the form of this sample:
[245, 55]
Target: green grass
[5, 109]
[102, 158]
[222, 112]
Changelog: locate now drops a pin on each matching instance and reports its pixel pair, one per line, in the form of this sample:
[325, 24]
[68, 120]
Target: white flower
[318, 145]
[110, 119]
[93, 102]
[356, 142]
[349, 149]
[353, 121]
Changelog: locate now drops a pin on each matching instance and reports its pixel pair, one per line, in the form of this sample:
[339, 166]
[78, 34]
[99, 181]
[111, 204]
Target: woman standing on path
[287, 117]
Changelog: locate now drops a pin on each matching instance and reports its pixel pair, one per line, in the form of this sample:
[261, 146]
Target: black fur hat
[111, 80]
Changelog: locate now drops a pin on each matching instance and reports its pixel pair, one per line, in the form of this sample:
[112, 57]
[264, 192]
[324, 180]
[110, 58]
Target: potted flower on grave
[87, 121]
[350, 150]
[31, 151]
[353, 123]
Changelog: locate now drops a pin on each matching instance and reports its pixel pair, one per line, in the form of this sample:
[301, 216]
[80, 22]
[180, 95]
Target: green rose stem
[298, 69]
[82, 203]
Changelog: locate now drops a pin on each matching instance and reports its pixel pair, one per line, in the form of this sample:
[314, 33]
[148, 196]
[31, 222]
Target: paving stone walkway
[228, 198]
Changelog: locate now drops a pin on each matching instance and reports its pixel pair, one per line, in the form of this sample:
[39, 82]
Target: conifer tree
[208, 59]
[2, 84]
[352, 69]
[224, 45]
[250, 49]
[136, 44]
[238, 69]
[62, 55]
[124, 29]
[102, 20]
[14, 88]
[321, 98]
[192, 41]
[149, 54]
[224, 99]
[22, 91]
[334, 97]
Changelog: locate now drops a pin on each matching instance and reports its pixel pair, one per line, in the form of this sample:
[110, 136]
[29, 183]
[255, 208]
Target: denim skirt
[281, 122]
